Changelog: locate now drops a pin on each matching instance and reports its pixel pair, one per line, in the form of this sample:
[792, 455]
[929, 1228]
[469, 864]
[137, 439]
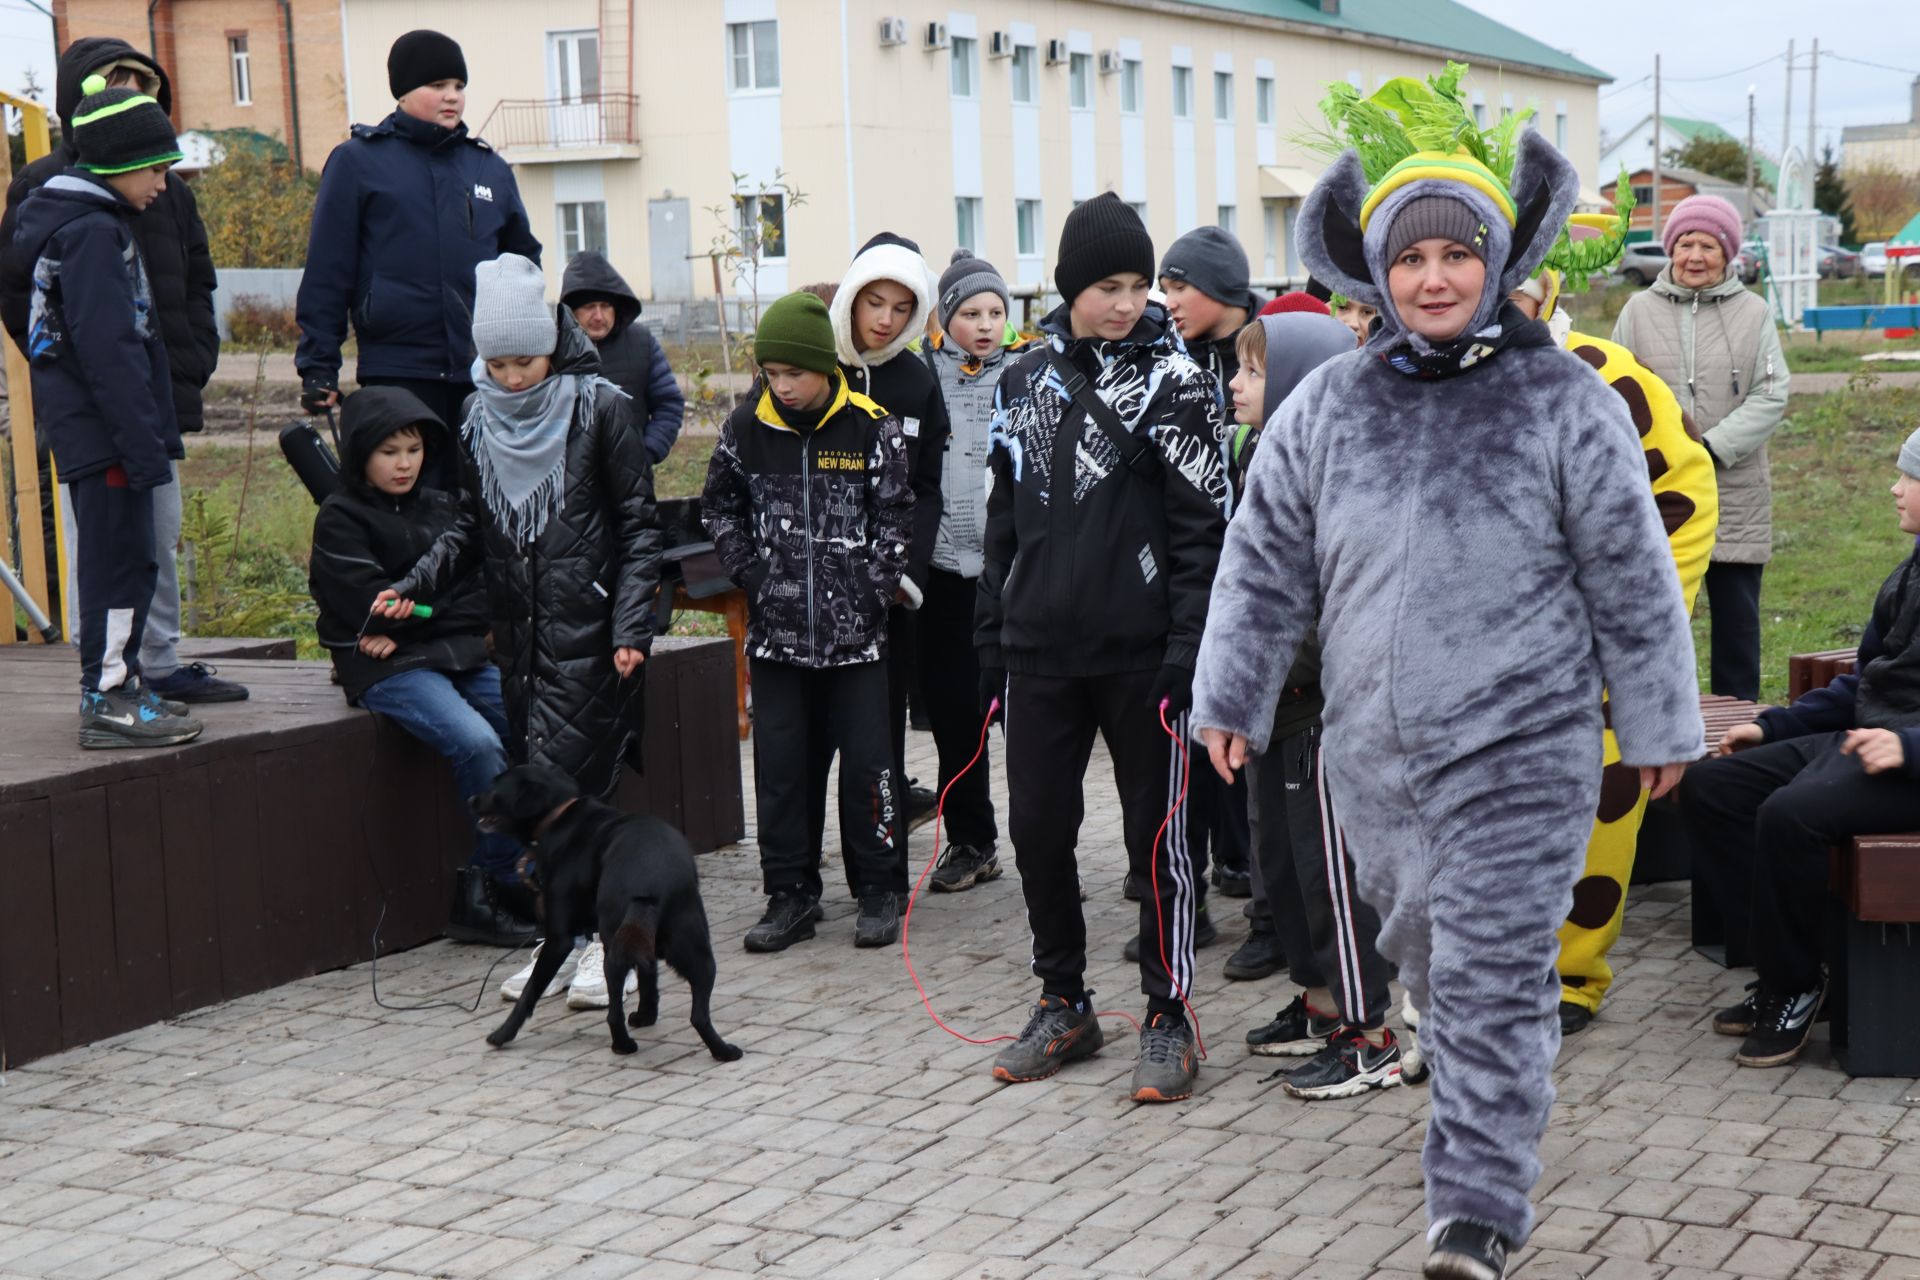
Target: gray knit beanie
[1436, 217]
[1910, 456]
[967, 276]
[510, 312]
[1212, 261]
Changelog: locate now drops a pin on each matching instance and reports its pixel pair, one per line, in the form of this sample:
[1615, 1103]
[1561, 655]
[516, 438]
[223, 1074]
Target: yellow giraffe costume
[1685, 490]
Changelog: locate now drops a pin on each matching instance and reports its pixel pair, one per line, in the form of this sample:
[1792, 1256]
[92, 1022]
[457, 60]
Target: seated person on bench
[431, 676]
[1840, 762]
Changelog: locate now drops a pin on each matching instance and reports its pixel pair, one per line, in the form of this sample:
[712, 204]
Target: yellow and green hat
[120, 130]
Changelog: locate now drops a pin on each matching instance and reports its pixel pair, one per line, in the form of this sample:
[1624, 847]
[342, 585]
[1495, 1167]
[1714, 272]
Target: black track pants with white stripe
[1337, 938]
[1050, 727]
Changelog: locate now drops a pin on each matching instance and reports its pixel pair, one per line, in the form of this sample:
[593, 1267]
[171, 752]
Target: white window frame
[1133, 87]
[240, 64]
[567, 65]
[963, 67]
[573, 229]
[1025, 72]
[966, 223]
[1227, 218]
[1029, 230]
[1263, 100]
[1140, 208]
[1480, 108]
[746, 205]
[744, 41]
[1223, 97]
[1560, 126]
[1080, 81]
[1182, 91]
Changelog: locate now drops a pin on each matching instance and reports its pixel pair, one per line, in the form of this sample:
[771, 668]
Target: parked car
[1752, 254]
[1642, 262]
[1837, 263]
[1873, 258]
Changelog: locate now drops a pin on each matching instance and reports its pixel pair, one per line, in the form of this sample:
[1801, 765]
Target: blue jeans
[461, 716]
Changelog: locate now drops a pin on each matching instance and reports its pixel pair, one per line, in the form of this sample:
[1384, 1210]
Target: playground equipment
[32, 579]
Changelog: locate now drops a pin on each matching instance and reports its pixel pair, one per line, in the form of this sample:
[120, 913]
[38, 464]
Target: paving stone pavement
[306, 1132]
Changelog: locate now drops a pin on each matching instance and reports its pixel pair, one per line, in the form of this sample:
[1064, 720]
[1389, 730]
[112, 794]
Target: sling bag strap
[1142, 459]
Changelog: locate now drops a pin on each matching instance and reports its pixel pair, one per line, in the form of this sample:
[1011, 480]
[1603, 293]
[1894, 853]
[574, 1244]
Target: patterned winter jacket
[1117, 579]
[812, 521]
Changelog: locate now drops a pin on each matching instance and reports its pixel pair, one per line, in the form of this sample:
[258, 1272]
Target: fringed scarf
[518, 440]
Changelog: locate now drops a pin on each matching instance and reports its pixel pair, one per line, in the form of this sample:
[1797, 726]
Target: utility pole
[1813, 89]
[1750, 93]
[1786, 113]
[1655, 211]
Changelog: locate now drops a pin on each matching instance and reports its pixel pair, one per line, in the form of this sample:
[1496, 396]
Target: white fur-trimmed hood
[881, 262]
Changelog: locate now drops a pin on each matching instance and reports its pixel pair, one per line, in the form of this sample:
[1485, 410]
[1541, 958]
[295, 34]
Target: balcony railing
[542, 124]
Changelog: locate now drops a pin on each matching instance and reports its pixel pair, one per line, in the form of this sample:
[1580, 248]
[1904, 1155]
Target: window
[242, 70]
[1643, 193]
[1023, 73]
[1130, 87]
[1080, 81]
[760, 221]
[1026, 218]
[1227, 218]
[575, 65]
[582, 226]
[966, 223]
[1139, 207]
[1263, 100]
[1560, 125]
[960, 80]
[1506, 105]
[1480, 109]
[1223, 95]
[755, 55]
[1183, 93]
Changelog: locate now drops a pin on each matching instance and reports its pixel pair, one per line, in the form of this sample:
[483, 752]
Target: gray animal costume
[1475, 521]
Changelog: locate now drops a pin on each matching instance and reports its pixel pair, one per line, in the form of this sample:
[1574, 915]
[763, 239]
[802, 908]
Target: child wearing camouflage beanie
[809, 507]
[103, 393]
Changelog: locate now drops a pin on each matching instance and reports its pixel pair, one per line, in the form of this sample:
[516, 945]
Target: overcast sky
[1707, 56]
[1707, 67]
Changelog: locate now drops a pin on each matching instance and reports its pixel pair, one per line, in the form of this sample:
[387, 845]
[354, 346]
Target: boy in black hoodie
[1103, 528]
[103, 393]
[431, 676]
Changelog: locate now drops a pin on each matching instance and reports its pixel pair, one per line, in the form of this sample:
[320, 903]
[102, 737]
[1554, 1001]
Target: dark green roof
[1440, 24]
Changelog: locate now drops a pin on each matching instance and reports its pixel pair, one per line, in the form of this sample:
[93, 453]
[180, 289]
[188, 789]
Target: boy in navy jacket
[103, 392]
[1840, 762]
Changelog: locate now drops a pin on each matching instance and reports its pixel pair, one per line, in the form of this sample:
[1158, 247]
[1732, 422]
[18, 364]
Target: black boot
[1259, 956]
[479, 916]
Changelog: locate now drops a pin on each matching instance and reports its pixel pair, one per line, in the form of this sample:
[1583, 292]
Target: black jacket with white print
[813, 522]
[1115, 579]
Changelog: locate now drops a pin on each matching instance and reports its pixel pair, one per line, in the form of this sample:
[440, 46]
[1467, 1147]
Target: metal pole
[1750, 93]
[1813, 90]
[1655, 203]
[1786, 114]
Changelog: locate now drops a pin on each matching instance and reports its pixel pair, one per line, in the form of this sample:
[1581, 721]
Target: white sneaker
[589, 987]
[510, 989]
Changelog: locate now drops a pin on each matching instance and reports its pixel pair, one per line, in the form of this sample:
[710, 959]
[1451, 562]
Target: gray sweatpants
[160, 643]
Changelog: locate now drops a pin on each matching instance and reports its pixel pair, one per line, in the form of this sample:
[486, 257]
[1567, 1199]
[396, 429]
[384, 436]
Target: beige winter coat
[1720, 352]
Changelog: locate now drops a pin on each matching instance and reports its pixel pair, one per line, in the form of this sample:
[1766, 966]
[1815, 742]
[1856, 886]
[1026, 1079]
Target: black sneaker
[1260, 956]
[1235, 882]
[1167, 1062]
[127, 717]
[1737, 1020]
[197, 682]
[481, 915]
[879, 922]
[1781, 1025]
[963, 866]
[1349, 1065]
[1055, 1035]
[1574, 1018]
[789, 919]
[145, 690]
[1204, 935]
[921, 802]
[1131, 889]
[1295, 1032]
[1467, 1251]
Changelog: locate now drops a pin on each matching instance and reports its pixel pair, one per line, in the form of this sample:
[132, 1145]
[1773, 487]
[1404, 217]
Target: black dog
[629, 878]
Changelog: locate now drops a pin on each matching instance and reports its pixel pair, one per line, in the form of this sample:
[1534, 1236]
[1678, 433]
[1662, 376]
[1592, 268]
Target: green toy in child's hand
[423, 611]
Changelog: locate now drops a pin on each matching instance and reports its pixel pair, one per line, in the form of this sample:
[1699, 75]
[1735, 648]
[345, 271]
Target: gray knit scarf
[518, 440]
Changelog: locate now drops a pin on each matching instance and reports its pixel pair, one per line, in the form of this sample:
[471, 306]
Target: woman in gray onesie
[1467, 503]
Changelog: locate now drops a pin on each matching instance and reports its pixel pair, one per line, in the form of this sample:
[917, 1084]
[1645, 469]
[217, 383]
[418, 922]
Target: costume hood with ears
[1544, 186]
[885, 257]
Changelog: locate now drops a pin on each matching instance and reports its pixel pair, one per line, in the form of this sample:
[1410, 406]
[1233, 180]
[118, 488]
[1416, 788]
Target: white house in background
[1633, 150]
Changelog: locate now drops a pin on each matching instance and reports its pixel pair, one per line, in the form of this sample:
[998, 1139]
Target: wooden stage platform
[138, 884]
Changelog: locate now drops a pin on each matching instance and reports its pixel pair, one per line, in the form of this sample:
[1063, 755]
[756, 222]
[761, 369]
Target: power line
[1726, 74]
[1862, 62]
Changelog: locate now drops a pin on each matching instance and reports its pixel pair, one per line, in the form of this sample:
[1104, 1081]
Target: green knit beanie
[797, 331]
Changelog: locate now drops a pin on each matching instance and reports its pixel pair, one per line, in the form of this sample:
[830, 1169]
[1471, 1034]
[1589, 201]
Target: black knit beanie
[1103, 237]
[120, 130]
[422, 57]
[887, 237]
[1436, 218]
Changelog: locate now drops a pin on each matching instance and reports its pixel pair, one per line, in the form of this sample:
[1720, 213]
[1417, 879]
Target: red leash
[939, 814]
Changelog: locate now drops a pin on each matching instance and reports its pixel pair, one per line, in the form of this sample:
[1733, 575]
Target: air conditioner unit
[1109, 62]
[935, 36]
[892, 31]
[1000, 45]
[1057, 53]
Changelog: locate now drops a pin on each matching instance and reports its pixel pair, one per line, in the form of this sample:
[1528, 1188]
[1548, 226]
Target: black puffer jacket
[630, 357]
[584, 588]
[172, 240]
[811, 515]
[363, 539]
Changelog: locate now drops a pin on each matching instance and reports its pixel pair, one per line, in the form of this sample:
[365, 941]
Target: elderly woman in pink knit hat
[1713, 341]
